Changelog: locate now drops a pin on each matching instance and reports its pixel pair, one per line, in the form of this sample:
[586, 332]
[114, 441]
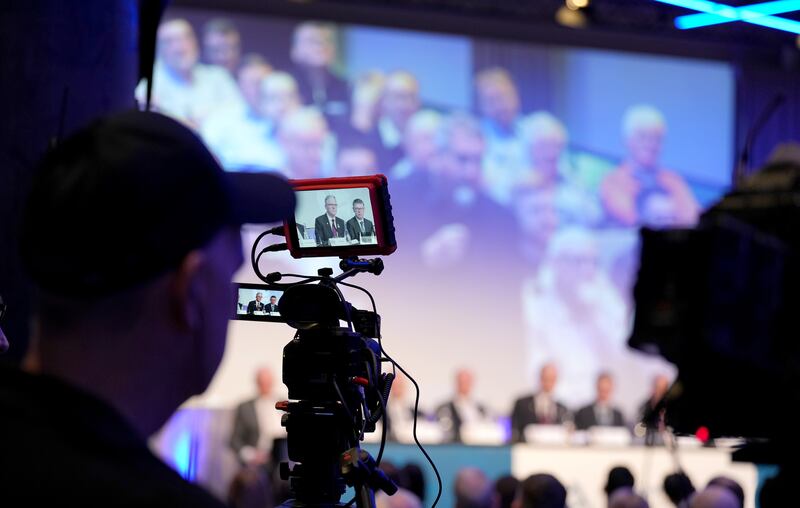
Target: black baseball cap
[126, 198]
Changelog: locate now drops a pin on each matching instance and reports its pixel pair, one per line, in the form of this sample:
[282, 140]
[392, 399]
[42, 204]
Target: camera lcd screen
[335, 218]
[256, 302]
[346, 216]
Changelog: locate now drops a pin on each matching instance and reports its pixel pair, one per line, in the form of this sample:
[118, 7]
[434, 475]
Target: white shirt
[242, 139]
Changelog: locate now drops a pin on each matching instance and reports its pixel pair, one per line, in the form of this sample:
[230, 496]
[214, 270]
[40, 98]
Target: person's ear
[184, 304]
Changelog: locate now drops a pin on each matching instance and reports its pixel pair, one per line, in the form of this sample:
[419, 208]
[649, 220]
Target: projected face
[279, 96]
[302, 138]
[313, 46]
[222, 48]
[644, 146]
[537, 214]
[177, 46]
[400, 98]
[463, 158]
[356, 161]
[250, 78]
[331, 206]
[499, 101]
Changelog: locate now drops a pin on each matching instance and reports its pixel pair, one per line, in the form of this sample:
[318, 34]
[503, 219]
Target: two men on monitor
[328, 226]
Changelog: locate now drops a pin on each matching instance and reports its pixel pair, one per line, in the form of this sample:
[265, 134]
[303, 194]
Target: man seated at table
[328, 225]
[256, 305]
[463, 409]
[539, 408]
[359, 226]
[601, 412]
[272, 306]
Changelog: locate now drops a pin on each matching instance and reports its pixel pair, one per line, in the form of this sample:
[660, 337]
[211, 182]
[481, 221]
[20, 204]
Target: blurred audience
[413, 479]
[398, 103]
[472, 489]
[538, 218]
[463, 409]
[625, 189]
[541, 491]
[539, 408]
[222, 44]
[366, 98]
[601, 412]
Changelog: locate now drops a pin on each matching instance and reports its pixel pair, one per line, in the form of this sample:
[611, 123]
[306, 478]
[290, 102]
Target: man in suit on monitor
[328, 225]
[359, 226]
[272, 306]
[256, 305]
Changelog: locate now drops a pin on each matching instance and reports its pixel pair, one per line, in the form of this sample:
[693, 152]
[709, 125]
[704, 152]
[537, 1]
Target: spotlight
[574, 5]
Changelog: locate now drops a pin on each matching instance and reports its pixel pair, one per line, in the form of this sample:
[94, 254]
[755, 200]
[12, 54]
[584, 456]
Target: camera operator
[131, 317]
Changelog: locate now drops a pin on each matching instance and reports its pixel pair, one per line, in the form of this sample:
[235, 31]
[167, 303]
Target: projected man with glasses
[328, 226]
[359, 226]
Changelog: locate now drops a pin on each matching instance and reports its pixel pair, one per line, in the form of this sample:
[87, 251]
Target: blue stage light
[728, 13]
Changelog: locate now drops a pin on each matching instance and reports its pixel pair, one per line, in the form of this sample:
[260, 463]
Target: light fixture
[725, 13]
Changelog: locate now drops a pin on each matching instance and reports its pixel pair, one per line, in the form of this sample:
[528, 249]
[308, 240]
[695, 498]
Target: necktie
[333, 228]
[362, 226]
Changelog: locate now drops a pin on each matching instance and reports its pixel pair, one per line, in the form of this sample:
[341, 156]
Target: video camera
[720, 301]
[337, 391]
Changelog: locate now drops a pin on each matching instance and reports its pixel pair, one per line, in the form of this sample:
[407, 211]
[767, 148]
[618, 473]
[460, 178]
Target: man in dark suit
[272, 306]
[256, 423]
[539, 408]
[601, 412]
[256, 305]
[462, 409]
[328, 225]
[359, 226]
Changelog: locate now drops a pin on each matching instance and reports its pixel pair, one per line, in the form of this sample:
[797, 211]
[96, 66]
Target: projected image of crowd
[493, 183]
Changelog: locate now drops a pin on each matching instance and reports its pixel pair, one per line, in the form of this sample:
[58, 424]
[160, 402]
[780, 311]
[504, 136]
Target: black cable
[416, 399]
[344, 402]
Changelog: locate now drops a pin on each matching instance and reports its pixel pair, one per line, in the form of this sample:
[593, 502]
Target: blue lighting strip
[741, 13]
[736, 14]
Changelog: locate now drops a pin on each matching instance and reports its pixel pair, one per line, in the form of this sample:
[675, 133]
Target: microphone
[749, 140]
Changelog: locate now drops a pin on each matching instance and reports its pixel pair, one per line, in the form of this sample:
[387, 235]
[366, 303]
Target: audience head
[3, 339]
[618, 477]
[505, 489]
[302, 135]
[356, 160]
[541, 491]
[177, 46]
[714, 497]
[279, 96]
[414, 480]
[472, 489]
[419, 139]
[314, 45]
[222, 44]
[465, 380]
[625, 497]
[678, 487]
[643, 128]
[498, 99]
[545, 138]
[265, 381]
[548, 376]
[250, 76]
[730, 484]
[605, 387]
[111, 300]
[400, 98]
[461, 149]
[403, 498]
[367, 92]
[536, 211]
